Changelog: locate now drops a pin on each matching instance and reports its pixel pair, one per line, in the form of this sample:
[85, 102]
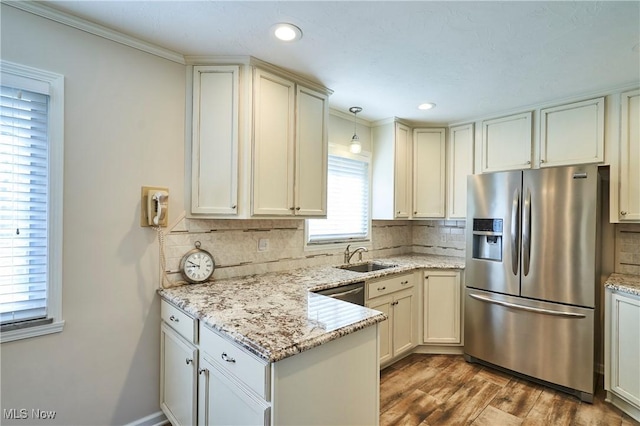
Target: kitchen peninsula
[249, 344]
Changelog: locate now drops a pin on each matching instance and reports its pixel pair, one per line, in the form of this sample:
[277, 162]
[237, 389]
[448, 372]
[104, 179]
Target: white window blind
[347, 203]
[24, 182]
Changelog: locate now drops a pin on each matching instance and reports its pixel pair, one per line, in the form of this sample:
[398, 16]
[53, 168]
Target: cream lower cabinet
[178, 366]
[396, 297]
[218, 382]
[622, 351]
[442, 308]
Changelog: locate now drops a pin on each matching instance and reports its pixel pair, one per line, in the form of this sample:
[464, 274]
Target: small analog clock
[197, 265]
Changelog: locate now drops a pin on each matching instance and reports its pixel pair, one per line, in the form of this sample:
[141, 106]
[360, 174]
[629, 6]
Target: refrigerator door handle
[527, 308]
[515, 231]
[526, 234]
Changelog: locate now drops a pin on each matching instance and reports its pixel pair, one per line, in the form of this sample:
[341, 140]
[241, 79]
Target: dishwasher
[353, 293]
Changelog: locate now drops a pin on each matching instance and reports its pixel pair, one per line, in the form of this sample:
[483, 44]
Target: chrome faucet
[348, 255]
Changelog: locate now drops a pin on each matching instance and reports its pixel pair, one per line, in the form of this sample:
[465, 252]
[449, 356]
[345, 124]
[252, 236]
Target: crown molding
[64, 18]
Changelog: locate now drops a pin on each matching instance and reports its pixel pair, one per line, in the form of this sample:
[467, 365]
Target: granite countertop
[275, 316]
[624, 282]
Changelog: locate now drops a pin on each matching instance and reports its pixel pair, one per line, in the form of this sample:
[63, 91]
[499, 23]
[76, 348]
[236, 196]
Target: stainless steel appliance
[353, 293]
[531, 268]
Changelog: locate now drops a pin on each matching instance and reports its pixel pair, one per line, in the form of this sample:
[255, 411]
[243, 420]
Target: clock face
[197, 266]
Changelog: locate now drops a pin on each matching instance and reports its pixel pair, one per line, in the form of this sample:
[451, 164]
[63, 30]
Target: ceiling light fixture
[286, 32]
[426, 106]
[355, 146]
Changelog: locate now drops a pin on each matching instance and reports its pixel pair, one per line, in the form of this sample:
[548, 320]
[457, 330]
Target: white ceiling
[470, 58]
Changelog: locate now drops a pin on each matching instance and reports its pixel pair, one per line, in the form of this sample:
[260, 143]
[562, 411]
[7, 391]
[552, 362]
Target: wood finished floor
[446, 390]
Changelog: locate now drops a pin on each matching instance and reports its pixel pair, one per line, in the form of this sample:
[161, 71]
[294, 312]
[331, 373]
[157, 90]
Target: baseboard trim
[623, 405]
[439, 350]
[155, 419]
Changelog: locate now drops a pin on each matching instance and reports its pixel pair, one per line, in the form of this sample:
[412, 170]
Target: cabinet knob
[623, 213]
[398, 212]
[227, 358]
[188, 361]
[202, 370]
[415, 212]
[528, 162]
[174, 319]
[542, 160]
[297, 208]
[234, 206]
[292, 208]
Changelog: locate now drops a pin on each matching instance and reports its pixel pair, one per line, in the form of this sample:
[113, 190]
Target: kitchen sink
[366, 267]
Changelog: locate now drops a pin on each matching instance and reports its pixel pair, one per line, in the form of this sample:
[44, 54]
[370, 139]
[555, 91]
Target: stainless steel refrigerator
[531, 267]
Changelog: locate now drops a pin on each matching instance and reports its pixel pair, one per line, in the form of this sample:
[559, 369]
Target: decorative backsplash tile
[627, 255]
[234, 244]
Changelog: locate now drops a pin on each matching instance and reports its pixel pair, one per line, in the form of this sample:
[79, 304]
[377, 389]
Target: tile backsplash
[627, 249]
[234, 244]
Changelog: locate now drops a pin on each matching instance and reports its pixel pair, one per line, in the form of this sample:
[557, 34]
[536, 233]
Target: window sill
[28, 332]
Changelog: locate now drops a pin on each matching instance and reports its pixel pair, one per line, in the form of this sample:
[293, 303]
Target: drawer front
[179, 321]
[231, 358]
[389, 285]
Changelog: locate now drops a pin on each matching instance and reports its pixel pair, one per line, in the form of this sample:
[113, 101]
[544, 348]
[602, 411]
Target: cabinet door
[311, 153]
[273, 145]
[178, 387]
[383, 304]
[629, 195]
[224, 401]
[460, 165]
[572, 134]
[441, 308]
[506, 143]
[404, 321]
[402, 171]
[428, 173]
[214, 143]
[625, 347]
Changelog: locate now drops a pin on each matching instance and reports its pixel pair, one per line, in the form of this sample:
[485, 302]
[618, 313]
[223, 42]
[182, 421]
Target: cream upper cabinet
[572, 134]
[391, 176]
[429, 173]
[215, 139]
[259, 142]
[460, 165]
[290, 148]
[273, 144]
[312, 115]
[506, 143]
[629, 158]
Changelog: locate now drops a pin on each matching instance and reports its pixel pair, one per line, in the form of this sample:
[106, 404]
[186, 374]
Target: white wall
[124, 128]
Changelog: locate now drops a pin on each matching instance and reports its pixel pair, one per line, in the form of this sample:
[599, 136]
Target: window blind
[347, 203]
[24, 181]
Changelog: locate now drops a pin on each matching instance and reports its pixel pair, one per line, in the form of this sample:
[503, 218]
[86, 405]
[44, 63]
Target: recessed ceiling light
[426, 106]
[286, 32]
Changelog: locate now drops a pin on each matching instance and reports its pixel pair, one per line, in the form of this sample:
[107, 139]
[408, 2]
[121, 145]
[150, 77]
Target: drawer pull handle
[188, 361]
[404, 282]
[227, 358]
[202, 370]
[382, 288]
[174, 319]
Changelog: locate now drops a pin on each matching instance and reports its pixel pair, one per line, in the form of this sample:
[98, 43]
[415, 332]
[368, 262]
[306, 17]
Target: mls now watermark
[24, 414]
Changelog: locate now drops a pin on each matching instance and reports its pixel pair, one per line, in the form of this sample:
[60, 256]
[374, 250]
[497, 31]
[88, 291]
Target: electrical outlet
[263, 244]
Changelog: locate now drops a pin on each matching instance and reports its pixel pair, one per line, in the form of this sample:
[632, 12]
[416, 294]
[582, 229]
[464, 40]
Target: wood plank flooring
[446, 390]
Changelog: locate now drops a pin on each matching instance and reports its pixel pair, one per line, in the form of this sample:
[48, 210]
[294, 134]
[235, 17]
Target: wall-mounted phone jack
[154, 206]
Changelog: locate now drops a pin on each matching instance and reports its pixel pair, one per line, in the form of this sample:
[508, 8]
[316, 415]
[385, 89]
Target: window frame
[21, 75]
[365, 156]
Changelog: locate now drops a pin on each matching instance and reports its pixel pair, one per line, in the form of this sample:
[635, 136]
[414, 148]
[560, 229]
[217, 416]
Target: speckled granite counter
[275, 316]
[624, 283]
